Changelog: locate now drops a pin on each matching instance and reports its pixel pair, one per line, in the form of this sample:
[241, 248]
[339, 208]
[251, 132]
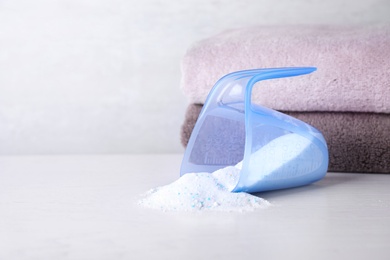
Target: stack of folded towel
[347, 98]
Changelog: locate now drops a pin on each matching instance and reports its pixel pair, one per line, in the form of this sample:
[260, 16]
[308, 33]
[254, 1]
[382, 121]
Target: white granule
[212, 191]
[203, 192]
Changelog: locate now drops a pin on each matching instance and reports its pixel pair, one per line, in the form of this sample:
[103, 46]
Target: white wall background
[102, 76]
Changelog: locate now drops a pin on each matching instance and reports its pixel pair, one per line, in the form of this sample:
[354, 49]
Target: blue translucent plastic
[273, 150]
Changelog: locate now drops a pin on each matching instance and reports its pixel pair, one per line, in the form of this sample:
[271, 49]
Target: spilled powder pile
[212, 191]
[203, 192]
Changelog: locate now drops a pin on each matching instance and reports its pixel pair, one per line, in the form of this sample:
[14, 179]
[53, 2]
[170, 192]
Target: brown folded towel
[357, 142]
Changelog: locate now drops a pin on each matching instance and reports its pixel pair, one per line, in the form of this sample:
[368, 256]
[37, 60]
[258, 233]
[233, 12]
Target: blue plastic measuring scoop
[271, 149]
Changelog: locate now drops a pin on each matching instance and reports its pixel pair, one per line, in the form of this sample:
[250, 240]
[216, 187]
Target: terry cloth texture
[357, 142]
[353, 66]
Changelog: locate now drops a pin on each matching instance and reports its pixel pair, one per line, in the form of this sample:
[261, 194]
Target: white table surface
[85, 207]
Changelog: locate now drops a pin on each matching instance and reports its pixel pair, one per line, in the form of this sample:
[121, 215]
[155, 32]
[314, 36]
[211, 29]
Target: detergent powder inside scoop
[271, 149]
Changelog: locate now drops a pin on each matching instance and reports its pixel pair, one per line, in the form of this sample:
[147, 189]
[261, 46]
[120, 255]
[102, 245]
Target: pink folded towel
[353, 66]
